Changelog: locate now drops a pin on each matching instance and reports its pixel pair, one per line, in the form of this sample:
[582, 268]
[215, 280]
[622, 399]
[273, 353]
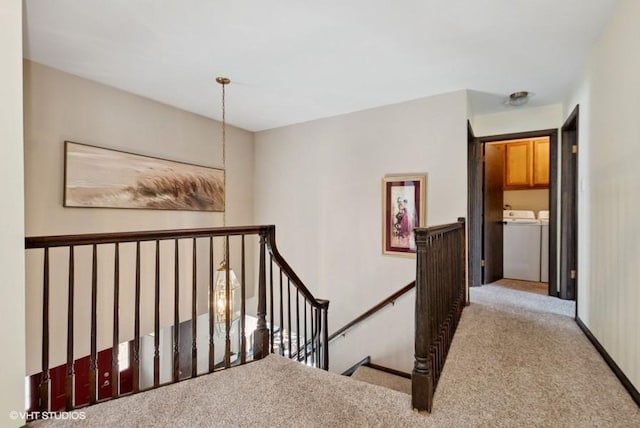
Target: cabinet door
[541, 162]
[518, 165]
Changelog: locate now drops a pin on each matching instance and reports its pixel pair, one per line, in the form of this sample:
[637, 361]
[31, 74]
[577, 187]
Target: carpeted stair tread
[378, 377]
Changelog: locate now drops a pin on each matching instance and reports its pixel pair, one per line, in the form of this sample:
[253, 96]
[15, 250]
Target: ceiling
[292, 61]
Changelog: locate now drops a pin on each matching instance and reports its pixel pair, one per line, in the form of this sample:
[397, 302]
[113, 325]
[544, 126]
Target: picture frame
[98, 177]
[404, 207]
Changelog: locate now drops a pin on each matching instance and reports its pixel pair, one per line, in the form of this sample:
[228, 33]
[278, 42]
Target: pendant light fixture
[227, 283]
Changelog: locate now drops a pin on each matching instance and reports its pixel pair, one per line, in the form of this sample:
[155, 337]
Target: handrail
[442, 228]
[391, 299]
[286, 268]
[148, 235]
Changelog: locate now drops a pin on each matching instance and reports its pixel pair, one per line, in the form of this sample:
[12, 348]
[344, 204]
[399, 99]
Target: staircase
[365, 371]
[383, 378]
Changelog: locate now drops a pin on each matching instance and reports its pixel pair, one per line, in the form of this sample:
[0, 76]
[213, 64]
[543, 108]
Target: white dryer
[521, 258]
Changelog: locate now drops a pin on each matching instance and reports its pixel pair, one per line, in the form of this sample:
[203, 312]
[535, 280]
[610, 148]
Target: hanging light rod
[223, 80]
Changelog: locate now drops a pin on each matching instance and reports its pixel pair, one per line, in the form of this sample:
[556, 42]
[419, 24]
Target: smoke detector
[519, 98]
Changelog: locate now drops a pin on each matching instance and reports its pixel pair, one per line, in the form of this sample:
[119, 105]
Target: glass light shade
[221, 299]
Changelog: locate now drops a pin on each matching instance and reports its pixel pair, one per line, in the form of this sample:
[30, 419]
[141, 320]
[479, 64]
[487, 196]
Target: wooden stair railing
[302, 318]
[440, 298]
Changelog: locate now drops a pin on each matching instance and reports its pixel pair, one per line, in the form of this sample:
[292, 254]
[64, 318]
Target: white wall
[519, 119]
[12, 292]
[609, 190]
[320, 183]
[59, 107]
[534, 199]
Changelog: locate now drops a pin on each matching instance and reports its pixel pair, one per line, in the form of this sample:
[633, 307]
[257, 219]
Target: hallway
[519, 359]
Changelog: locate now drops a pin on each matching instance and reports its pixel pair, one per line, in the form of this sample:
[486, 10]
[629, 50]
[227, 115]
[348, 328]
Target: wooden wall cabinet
[517, 165]
[526, 164]
[541, 163]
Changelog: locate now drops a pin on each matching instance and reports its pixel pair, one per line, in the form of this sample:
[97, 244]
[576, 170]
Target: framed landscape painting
[104, 178]
[403, 209]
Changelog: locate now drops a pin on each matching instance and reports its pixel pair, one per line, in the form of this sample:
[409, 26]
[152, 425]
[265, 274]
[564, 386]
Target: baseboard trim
[363, 362]
[635, 395]
[389, 370]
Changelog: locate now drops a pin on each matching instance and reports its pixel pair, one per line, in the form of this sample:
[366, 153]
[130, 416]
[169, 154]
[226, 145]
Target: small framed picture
[404, 207]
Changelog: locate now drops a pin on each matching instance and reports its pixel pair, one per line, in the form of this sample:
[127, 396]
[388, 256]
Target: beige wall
[520, 119]
[609, 190]
[59, 107]
[535, 199]
[320, 183]
[12, 293]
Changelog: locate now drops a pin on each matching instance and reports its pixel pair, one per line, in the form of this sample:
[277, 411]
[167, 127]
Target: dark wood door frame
[475, 200]
[474, 204]
[492, 213]
[569, 209]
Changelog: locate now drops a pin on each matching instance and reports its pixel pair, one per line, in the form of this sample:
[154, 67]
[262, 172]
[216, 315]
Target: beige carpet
[530, 286]
[518, 360]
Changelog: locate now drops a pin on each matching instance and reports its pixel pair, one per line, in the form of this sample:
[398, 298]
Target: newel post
[324, 311]
[422, 376]
[261, 335]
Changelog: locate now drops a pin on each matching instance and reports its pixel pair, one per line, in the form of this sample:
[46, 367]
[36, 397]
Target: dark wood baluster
[212, 362]
[325, 335]
[281, 316]
[306, 338]
[68, 389]
[437, 302]
[261, 336]
[446, 289]
[93, 358]
[176, 312]
[115, 372]
[442, 290]
[136, 326]
[289, 314]
[227, 307]
[297, 324]
[156, 321]
[243, 338]
[440, 299]
[272, 317]
[312, 351]
[194, 312]
[44, 382]
[317, 346]
[452, 286]
[433, 306]
[462, 260]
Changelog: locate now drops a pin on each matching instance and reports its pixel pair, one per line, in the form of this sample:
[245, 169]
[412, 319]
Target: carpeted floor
[530, 286]
[518, 360]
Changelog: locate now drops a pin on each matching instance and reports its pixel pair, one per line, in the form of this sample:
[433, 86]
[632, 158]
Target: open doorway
[569, 210]
[502, 175]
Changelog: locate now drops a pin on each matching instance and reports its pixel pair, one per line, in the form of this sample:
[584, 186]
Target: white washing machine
[543, 217]
[521, 258]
